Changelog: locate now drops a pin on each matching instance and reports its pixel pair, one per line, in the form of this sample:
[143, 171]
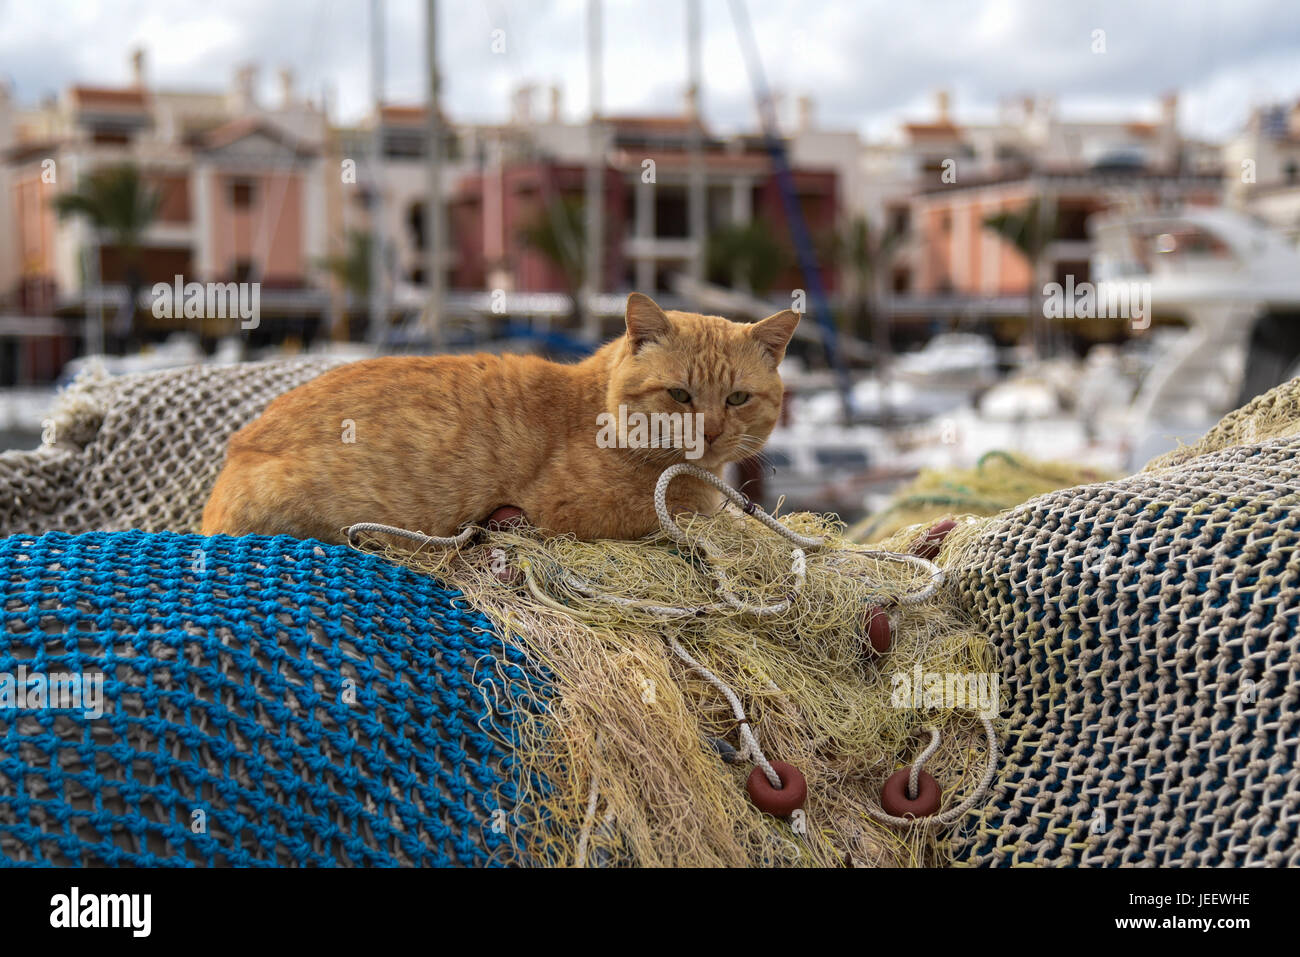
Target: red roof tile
[656, 124]
[127, 99]
[245, 126]
[932, 129]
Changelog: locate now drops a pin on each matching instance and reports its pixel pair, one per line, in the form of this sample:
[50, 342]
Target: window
[241, 193]
[1079, 269]
[671, 220]
[1292, 172]
[1072, 221]
[415, 224]
[244, 270]
[174, 195]
[900, 219]
[404, 144]
[110, 138]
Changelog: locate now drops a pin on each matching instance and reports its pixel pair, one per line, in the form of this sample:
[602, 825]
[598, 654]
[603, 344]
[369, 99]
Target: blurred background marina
[920, 241]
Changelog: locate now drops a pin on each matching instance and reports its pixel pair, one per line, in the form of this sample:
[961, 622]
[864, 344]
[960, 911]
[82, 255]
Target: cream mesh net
[1147, 630]
[139, 451]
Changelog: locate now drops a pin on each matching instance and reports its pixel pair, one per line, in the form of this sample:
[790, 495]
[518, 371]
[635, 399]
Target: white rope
[919, 763]
[742, 502]
[755, 752]
[463, 537]
[927, 566]
[798, 556]
[588, 590]
[751, 751]
[952, 815]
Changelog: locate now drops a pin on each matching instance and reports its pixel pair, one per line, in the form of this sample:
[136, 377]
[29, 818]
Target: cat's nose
[709, 437]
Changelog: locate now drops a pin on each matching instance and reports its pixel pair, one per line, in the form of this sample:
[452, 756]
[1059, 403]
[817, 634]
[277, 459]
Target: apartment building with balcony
[1262, 167]
[940, 181]
[533, 166]
[241, 193]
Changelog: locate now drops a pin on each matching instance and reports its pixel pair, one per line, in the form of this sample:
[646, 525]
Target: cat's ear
[774, 332]
[646, 322]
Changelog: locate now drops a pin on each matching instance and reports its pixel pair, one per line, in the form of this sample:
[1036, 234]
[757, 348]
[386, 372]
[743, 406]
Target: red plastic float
[928, 545]
[782, 803]
[879, 629]
[894, 799]
[507, 516]
[507, 574]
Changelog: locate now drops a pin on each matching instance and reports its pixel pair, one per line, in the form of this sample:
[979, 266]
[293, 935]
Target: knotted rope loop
[953, 814]
[463, 537]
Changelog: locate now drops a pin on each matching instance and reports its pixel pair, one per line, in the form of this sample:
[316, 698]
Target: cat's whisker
[655, 455]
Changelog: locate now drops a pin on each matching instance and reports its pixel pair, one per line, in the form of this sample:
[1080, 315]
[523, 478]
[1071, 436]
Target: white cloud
[869, 65]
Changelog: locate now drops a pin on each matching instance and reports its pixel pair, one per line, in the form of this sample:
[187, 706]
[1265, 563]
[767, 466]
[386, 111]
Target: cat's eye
[681, 395]
[738, 398]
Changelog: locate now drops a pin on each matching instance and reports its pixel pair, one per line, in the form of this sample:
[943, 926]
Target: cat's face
[722, 374]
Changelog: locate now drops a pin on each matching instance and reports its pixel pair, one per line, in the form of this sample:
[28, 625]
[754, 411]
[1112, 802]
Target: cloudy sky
[868, 65]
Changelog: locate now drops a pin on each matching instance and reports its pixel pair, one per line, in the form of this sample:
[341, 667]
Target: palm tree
[1031, 230]
[559, 234]
[351, 269]
[748, 253]
[116, 201]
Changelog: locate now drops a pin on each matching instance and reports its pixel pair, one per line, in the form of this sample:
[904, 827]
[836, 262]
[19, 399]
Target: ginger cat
[433, 442]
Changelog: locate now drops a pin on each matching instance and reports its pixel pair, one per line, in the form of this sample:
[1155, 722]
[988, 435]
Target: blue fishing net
[265, 701]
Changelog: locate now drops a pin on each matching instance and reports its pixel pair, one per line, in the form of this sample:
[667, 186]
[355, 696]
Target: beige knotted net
[1147, 630]
[141, 450]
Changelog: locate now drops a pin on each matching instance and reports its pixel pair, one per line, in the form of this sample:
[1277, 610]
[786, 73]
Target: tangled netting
[265, 701]
[1151, 654]
[138, 451]
[680, 661]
